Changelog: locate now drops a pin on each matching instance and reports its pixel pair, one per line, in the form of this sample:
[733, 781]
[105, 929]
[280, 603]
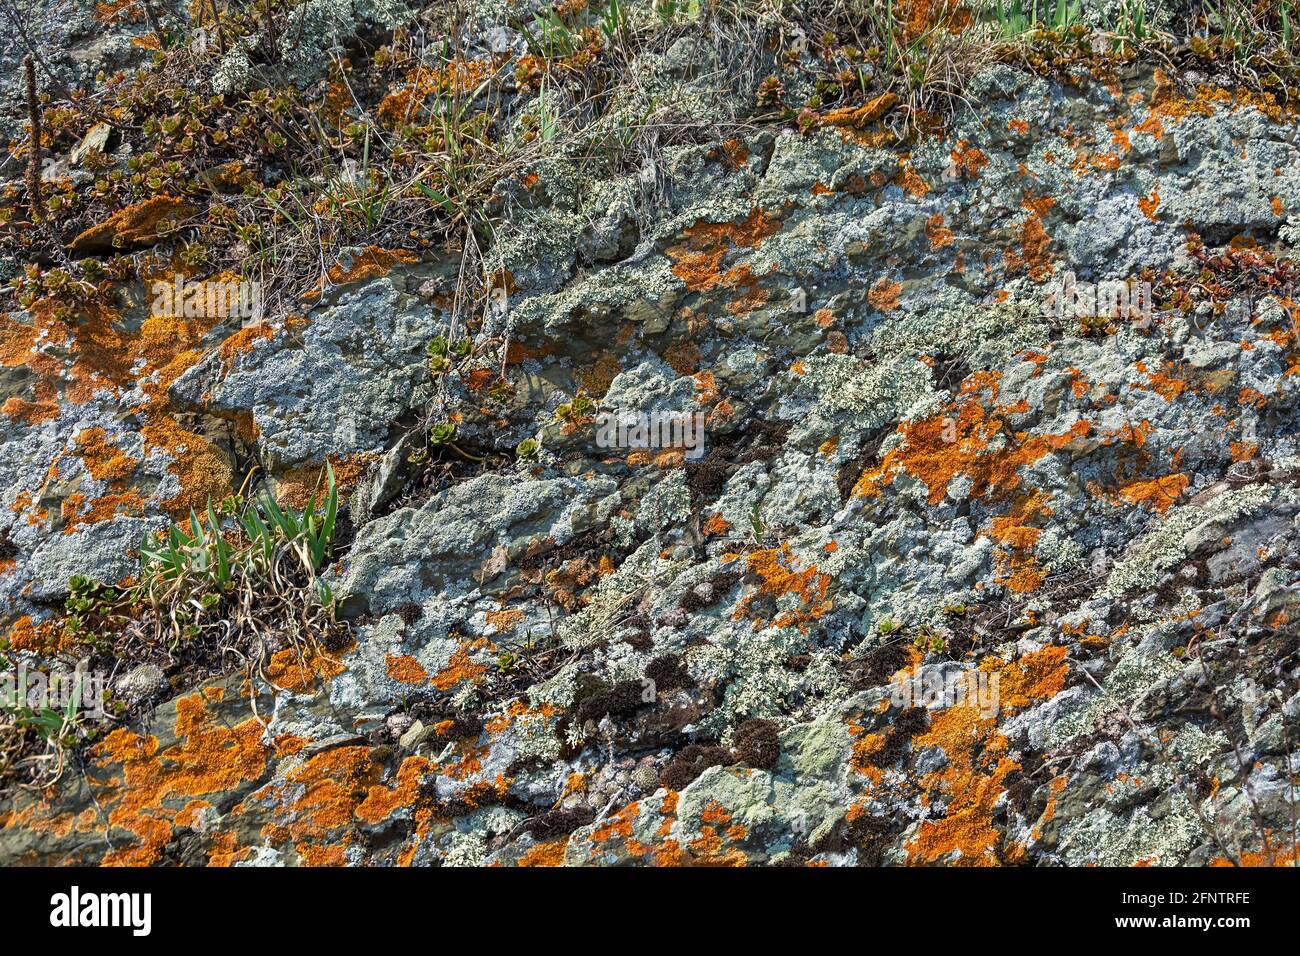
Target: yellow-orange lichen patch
[317, 802]
[975, 776]
[860, 115]
[242, 342]
[851, 122]
[884, 295]
[29, 413]
[971, 785]
[45, 637]
[779, 575]
[371, 263]
[405, 669]
[969, 160]
[1037, 676]
[698, 262]
[295, 670]
[1149, 204]
[938, 234]
[1274, 851]
[104, 460]
[1017, 531]
[618, 825]
[136, 225]
[1168, 104]
[461, 668]
[545, 854]
[226, 851]
[716, 524]
[381, 802]
[203, 472]
[936, 450]
[1166, 383]
[1033, 255]
[100, 509]
[596, 379]
[211, 757]
[1159, 493]
[911, 182]
[505, 620]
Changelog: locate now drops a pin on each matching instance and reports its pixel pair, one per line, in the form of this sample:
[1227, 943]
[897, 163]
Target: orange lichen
[242, 342]
[911, 182]
[382, 802]
[1164, 383]
[884, 295]
[1159, 493]
[457, 77]
[779, 576]
[969, 160]
[1150, 204]
[460, 668]
[545, 854]
[29, 413]
[937, 233]
[212, 757]
[371, 263]
[405, 669]
[716, 524]
[298, 486]
[1271, 853]
[851, 121]
[1016, 531]
[1033, 255]
[505, 620]
[295, 670]
[619, 825]
[98, 510]
[937, 450]
[137, 225]
[971, 784]
[698, 261]
[104, 460]
[318, 800]
[203, 472]
[46, 637]
[1037, 676]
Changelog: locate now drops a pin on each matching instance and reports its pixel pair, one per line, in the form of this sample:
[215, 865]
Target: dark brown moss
[558, 822]
[621, 700]
[758, 743]
[668, 672]
[906, 725]
[690, 762]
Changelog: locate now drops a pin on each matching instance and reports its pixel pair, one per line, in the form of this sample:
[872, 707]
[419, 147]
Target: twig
[152, 19]
[35, 204]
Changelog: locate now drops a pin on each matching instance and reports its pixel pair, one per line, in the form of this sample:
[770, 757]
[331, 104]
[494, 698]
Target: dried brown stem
[35, 203]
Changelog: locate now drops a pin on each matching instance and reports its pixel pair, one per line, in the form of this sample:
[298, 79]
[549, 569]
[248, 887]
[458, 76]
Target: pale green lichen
[1166, 546]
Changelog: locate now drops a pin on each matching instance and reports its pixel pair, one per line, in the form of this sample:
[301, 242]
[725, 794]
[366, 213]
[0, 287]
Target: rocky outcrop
[961, 576]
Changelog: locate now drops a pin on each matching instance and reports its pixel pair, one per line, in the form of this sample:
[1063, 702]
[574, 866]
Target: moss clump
[690, 762]
[758, 743]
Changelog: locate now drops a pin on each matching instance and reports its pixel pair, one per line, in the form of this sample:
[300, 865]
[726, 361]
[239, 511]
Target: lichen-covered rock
[964, 575]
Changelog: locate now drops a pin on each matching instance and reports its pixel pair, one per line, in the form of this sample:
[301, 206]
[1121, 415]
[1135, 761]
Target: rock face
[961, 576]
